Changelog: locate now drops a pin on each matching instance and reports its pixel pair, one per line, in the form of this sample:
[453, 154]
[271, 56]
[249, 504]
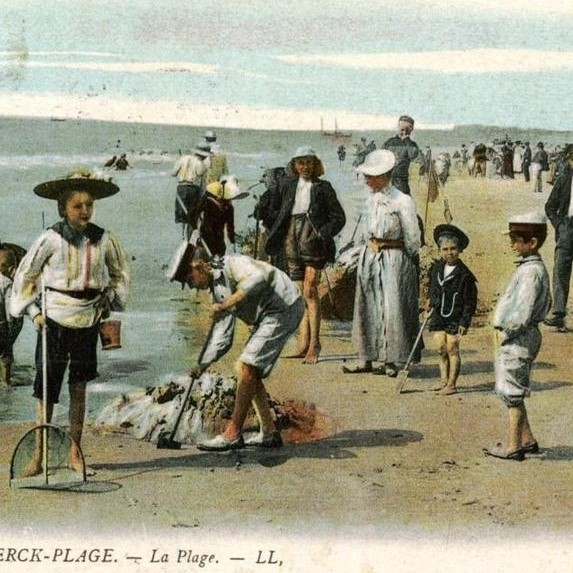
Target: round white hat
[304, 151]
[378, 162]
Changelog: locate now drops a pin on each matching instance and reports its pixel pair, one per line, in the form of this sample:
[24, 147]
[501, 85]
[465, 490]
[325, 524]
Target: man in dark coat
[559, 211]
[405, 151]
[526, 161]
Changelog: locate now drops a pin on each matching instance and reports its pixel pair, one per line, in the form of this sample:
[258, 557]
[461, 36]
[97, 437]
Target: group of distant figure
[500, 159]
[118, 163]
[204, 194]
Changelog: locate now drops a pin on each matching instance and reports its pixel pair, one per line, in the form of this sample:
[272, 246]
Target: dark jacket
[557, 205]
[325, 213]
[454, 299]
[405, 151]
[217, 214]
[542, 158]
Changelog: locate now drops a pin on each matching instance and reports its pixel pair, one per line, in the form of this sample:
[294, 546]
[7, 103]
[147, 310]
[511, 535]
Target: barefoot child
[453, 300]
[84, 272]
[519, 311]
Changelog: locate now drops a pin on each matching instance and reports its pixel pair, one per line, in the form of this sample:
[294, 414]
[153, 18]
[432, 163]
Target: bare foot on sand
[76, 464]
[447, 391]
[76, 461]
[79, 468]
[312, 355]
[298, 353]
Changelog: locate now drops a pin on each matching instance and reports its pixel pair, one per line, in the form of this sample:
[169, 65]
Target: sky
[291, 64]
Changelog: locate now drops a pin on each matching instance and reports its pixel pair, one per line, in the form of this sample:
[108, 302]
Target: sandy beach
[400, 484]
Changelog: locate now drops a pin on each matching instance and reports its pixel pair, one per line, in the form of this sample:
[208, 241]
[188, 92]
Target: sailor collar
[92, 233]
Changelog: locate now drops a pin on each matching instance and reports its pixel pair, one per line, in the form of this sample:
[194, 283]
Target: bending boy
[267, 300]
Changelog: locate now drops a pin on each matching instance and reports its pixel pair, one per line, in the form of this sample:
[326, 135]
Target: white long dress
[386, 319]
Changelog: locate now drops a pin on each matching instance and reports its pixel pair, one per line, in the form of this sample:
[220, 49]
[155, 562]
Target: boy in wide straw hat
[84, 274]
[519, 311]
[453, 300]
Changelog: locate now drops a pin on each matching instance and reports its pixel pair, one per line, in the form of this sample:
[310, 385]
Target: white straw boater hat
[81, 180]
[526, 222]
[227, 188]
[377, 163]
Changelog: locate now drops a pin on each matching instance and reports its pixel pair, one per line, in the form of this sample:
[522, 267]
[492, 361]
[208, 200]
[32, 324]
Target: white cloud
[119, 67]
[164, 112]
[478, 61]
[519, 7]
[21, 53]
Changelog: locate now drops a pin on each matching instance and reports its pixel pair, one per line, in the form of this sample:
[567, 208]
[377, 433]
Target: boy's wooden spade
[178, 272]
[166, 440]
[403, 374]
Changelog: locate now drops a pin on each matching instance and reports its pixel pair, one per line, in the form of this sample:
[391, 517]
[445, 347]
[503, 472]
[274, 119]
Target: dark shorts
[191, 196]
[76, 347]
[303, 248]
[438, 323]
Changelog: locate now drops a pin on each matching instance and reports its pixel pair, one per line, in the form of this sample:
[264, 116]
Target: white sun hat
[377, 163]
[227, 188]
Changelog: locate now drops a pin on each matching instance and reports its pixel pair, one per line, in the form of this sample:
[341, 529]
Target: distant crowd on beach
[501, 158]
[77, 273]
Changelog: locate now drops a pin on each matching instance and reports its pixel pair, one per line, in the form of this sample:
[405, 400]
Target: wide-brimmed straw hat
[378, 162]
[227, 188]
[81, 180]
[445, 229]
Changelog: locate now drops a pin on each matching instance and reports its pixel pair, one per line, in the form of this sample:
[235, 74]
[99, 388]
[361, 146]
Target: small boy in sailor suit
[453, 302]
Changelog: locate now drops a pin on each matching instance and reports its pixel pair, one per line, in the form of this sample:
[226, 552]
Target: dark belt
[387, 243]
[87, 294]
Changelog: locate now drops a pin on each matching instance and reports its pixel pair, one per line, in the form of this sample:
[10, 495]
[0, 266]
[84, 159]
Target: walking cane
[403, 374]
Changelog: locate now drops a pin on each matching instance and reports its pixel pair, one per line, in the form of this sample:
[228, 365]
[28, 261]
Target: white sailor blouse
[269, 292]
[85, 275]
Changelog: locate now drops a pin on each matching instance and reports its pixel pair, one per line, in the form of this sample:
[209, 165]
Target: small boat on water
[336, 134]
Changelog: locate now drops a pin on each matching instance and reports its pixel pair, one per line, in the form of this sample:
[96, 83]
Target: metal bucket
[110, 334]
